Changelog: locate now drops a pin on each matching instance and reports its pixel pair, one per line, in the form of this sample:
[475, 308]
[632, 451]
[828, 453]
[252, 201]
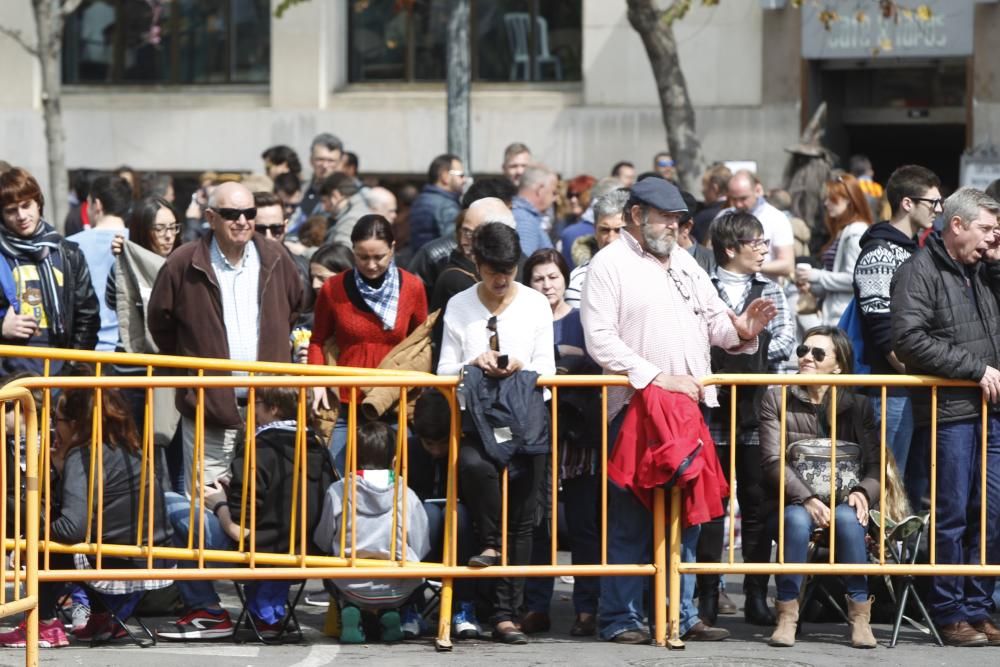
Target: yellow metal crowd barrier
[20, 429]
[247, 562]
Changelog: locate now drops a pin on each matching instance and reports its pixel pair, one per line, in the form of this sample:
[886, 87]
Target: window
[168, 42]
[511, 40]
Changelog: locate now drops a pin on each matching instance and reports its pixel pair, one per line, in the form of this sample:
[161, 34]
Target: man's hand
[19, 326]
[680, 384]
[990, 384]
[818, 512]
[754, 318]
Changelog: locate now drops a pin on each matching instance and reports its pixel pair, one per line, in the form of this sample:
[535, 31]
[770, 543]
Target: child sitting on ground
[375, 490]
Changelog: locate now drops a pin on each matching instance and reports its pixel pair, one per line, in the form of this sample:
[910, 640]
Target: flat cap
[660, 194]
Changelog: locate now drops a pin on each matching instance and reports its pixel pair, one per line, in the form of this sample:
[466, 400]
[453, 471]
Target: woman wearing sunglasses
[500, 327]
[848, 217]
[825, 351]
[365, 312]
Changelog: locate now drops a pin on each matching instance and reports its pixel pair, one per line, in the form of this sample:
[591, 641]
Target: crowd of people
[502, 280]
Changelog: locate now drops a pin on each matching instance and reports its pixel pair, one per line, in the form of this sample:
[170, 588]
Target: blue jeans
[850, 548]
[630, 540]
[898, 426]
[954, 599]
[338, 444]
[266, 600]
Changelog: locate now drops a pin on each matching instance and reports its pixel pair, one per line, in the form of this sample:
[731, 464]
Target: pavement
[821, 645]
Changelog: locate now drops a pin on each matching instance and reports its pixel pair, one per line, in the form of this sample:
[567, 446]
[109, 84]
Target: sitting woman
[121, 471]
[826, 350]
[500, 327]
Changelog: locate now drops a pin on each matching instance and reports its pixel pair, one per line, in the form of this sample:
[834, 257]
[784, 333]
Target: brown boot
[788, 619]
[859, 616]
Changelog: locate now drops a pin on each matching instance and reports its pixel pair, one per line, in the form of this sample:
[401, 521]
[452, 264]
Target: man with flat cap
[651, 313]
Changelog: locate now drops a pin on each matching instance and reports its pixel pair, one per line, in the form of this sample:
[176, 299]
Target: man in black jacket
[945, 320]
[48, 300]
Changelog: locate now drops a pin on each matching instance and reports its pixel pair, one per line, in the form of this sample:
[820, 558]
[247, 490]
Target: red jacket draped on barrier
[660, 431]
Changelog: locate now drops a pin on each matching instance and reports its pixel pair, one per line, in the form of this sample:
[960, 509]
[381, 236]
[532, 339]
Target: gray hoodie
[374, 518]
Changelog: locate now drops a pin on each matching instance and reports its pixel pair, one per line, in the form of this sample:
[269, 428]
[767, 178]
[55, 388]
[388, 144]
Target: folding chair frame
[906, 550]
[289, 625]
[142, 642]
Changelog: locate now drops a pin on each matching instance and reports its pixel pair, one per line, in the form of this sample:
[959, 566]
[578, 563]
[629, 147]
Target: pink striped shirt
[638, 323]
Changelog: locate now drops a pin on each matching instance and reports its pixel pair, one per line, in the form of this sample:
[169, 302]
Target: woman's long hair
[846, 188]
[140, 223]
[897, 505]
[118, 427]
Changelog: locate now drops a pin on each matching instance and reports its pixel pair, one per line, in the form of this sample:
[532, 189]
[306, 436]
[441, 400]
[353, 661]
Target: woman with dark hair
[328, 261]
[121, 469]
[501, 328]
[808, 429]
[366, 311]
[546, 272]
[848, 217]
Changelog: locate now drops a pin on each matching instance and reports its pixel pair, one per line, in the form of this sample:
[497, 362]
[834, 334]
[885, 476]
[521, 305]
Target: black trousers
[480, 489]
[750, 494]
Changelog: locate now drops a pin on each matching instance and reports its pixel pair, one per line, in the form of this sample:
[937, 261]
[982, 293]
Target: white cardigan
[836, 287]
[524, 330]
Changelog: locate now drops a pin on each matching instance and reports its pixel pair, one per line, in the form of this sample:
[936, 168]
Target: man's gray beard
[658, 247]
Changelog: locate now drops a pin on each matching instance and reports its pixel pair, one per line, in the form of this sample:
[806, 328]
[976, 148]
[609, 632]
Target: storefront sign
[839, 29]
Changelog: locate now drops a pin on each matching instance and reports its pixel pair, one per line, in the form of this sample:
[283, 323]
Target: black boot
[708, 607]
[755, 608]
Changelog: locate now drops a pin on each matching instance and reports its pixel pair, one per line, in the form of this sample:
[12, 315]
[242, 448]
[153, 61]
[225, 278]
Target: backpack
[850, 323]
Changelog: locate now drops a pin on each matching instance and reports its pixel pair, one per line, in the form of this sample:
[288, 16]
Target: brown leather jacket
[185, 316]
[855, 423]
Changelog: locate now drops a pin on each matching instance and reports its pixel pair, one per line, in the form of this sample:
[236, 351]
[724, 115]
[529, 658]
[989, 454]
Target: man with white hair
[460, 272]
[535, 196]
[381, 200]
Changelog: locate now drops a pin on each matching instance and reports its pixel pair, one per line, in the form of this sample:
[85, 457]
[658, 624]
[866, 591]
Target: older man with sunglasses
[233, 294]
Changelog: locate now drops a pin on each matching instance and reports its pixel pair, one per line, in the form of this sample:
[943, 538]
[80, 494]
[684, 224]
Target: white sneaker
[410, 624]
[463, 622]
[79, 616]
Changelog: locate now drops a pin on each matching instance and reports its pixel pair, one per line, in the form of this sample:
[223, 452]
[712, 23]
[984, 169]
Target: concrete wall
[576, 128]
[986, 77]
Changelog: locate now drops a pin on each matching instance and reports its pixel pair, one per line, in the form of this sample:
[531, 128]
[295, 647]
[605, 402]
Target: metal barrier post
[660, 561]
[31, 529]
[675, 572]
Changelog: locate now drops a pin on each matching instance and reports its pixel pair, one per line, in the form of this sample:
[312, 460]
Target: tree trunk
[459, 75]
[675, 103]
[49, 21]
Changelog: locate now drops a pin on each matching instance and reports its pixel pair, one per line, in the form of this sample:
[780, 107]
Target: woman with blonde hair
[848, 217]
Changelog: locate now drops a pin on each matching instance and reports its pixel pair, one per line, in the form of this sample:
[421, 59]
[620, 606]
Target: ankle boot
[788, 619]
[755, 608]
[859, 615]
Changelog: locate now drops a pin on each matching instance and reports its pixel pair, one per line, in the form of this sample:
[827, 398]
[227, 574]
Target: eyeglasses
[818, 353]
[756, 244]
[276, 229]
[934, 203]
[233, 214]
[665, 163]
[456, 172]
[466, 232]
[166, 230]
[491, 325]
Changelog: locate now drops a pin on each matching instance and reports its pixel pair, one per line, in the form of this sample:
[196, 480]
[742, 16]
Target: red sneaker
[100, 628]
[200, 624]
[50, 635]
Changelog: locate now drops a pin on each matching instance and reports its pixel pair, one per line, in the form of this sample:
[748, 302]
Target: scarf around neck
[38, 249]
[383, 300]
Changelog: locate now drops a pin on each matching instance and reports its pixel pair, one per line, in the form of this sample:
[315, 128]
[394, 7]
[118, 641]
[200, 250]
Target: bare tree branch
[19, 38]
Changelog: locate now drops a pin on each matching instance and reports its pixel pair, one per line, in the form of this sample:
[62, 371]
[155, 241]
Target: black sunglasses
[491, 324]
[935, 203]
[276, 230]
[818, 353]
[233, 214]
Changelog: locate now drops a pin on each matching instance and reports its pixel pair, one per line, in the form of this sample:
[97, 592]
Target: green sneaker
[351, 631]
[392, 630]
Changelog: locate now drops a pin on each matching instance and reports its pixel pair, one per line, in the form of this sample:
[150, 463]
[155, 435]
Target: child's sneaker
[79, 615]
[50, 635]
[268, 631]
[412, 623]
[100, 628]
[351, 631]
[392, 630]
[463, 622]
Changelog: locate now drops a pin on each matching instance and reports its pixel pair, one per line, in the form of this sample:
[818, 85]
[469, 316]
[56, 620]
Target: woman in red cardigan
[367, 311]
